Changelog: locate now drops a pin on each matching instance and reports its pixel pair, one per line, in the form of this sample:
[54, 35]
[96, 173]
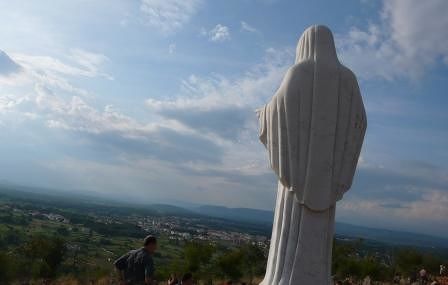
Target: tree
[8, 268]
[253, 261]
[197, 255]
[348, 262]
[229, 264]
[409, 261]
[63, 231]
[55, 254]
[45, 255]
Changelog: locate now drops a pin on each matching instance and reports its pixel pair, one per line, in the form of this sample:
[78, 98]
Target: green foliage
[409, 261]
[12, 219]
[8, 268]
[348, 262]
[197, 255]
[253, 261]
[175, 267]
[45, 255]
[63, 231]
[105, 241]
[362, 267]
[10, 237]
[208, 262]
[229, 264]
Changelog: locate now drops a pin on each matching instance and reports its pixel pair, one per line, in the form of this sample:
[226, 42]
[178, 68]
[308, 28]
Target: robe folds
[313, 129]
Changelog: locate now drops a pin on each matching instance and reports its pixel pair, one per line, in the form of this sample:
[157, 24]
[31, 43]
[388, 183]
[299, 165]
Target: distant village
[181, 228]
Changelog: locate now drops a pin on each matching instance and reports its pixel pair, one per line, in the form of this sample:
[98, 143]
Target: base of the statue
[301, 243]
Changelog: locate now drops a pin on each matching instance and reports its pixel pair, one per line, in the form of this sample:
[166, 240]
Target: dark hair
[187, 276]
[174, 280]
[149, 240]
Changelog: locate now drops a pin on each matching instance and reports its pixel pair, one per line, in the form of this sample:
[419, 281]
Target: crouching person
[137, 267]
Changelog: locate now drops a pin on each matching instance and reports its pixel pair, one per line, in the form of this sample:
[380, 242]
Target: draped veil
[313, 127]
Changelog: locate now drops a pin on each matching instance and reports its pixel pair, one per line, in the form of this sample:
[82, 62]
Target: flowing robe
[313, 129]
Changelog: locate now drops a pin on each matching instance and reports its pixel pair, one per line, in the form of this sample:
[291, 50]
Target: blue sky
[154, 100]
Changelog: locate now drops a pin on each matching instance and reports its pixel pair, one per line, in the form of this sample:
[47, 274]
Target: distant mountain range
[236, 214]
[261, 218]
[390, 236]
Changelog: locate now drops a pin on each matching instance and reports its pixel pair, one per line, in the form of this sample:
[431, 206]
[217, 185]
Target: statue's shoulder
[302, 67]
[305, 69]
[347, 74]
[300, 72]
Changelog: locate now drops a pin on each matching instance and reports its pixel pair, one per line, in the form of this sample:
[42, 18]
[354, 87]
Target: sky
[153, 100]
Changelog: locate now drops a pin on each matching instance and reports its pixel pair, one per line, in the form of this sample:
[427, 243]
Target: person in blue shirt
[137, 267]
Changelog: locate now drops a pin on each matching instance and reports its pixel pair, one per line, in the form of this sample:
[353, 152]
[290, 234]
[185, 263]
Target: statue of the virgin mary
[313, 129]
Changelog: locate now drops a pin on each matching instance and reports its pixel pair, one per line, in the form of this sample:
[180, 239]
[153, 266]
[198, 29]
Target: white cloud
[75, 114]
[90, 62]
[60, 106]
[171, 48]
[10, 102]
[54, 72]
[86, 63]
[60, 103]
[426, 213]
[251, 90]
[169, 15]
[400, 195]
[409, 40]
[219, 33]
[202, 100]
[246, 27]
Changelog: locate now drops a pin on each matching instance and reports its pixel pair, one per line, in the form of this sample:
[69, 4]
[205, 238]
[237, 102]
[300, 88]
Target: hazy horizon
[155, 99]
[126, 202]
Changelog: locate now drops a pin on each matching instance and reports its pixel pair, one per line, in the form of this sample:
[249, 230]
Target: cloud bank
[409, 39]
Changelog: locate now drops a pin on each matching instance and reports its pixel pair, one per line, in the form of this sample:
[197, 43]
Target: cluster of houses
[184, 229]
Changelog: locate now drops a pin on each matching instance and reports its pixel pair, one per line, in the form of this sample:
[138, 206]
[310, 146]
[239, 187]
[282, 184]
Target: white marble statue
[313, 129]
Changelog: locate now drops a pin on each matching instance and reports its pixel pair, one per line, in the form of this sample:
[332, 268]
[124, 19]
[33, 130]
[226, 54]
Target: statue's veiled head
[317, 44]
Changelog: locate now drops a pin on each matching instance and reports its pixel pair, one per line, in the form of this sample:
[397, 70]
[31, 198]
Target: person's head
[230, 282]
[187, 279]
[173, 280]
[422, 273]
[150, 243]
